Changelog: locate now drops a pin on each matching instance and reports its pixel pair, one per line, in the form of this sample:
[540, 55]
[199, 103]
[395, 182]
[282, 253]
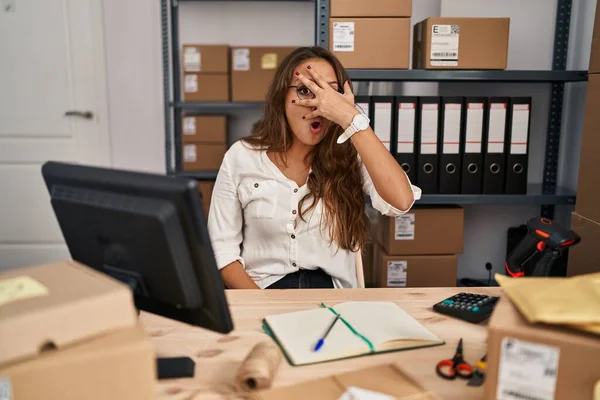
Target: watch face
[361, 121]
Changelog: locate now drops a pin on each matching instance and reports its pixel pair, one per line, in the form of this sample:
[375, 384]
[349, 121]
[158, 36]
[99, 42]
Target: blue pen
[322, 340]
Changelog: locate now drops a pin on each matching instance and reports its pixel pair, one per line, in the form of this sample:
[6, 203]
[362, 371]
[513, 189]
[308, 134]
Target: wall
[135, 89]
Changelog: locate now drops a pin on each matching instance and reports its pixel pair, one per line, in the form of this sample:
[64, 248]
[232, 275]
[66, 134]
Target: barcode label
[444, 45]
[441, 54]
[405, 227]
[343, 36]
[396, 273]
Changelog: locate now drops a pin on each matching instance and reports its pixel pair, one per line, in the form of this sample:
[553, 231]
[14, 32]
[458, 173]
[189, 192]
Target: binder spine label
[474, 128]
[519, 129]
[429, 128]
[406, 128]
[451, 129]
[383, 122]
[396, 273]
[497, 128]
[343, 36]
[444, 45]
[405, 227]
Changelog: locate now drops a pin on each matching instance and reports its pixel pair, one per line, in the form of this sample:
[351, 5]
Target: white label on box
[452, 114]
[474, 127]
[190, 83]
[527, 370]
[191, 60]
[406, 128]
[356, 393]
[241, 59]
[497, 128]
[189, 153]
[396, 273]
[444, 45]
[6, 392]
[383, 122]
[343, 36]
[405, 227]
[189, 126]
[429, 128]
[519, 129]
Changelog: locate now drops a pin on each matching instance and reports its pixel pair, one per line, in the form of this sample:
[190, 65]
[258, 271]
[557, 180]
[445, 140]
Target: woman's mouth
[315, 127]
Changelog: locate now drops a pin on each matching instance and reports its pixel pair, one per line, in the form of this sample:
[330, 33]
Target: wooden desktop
[218, 356]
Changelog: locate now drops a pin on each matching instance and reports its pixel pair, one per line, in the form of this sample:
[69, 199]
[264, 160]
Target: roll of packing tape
[259, 368]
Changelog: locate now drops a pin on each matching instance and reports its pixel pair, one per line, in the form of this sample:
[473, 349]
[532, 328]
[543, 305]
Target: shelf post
[164, 23]
[559, 62]
[322, 23]
[176, 83]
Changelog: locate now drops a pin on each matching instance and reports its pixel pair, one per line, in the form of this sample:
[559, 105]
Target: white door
[51, 63]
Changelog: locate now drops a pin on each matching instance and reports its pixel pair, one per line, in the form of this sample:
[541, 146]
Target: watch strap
[351, 130]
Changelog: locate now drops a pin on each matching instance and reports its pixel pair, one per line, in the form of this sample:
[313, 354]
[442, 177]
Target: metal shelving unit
[546, 194]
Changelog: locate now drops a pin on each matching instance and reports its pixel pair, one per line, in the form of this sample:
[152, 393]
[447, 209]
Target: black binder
[494, 172]
[427, 150]
[519, 121]
[451, 122]
[382, 119]
[406, 132]
[472, 145]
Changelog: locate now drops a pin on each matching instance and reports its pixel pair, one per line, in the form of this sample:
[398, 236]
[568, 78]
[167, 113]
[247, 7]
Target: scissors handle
[448, 369]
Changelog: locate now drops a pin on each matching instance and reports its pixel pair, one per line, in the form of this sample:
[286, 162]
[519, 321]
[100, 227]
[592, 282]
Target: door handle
[80, 114]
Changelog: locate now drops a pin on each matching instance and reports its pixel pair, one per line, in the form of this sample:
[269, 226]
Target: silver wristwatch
[360, 122]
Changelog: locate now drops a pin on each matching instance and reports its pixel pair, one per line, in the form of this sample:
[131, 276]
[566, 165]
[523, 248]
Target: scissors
[479, 373]
[455, 366]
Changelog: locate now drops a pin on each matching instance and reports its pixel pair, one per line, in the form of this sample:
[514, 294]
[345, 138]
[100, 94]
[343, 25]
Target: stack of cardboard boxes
[585, 220]
[419, 248]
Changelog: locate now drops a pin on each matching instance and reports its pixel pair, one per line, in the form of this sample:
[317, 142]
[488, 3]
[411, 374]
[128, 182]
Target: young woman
[288, 208]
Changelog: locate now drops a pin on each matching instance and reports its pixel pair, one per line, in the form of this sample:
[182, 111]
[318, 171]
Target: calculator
[470, 307]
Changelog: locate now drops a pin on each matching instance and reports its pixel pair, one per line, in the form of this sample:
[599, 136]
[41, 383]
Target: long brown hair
[336, 176]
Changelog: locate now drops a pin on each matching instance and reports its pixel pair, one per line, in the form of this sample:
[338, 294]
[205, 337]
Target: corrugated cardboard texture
[206, 188]
[594, 66]
[213, 58]
[204, 129]
[208, 87]
[120, 365]
[253, 84]
[482, 44]
[437, 230]
[378, 43]
[584, 257]
[206, 156]
[578, 366]
[421, 271]
[80, 303]
[371, 8]
[588, 189]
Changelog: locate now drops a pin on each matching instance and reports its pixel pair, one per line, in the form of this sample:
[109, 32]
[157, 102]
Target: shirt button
[293, 264]
[293, 236]
[256, 185]
[295, 190]
[294, 212]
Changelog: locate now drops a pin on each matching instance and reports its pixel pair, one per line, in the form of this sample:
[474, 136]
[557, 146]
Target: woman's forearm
[235, 277]
[387, 175]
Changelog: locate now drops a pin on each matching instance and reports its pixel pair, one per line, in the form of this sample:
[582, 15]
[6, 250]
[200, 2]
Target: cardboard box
[423, 230]
[120, 365]
[371, 8]
[371, 42]
[69, 332]
[205, 87]
[203, 156]
[204, 129]
[584, 257]
[594, 65]
[206, 188]
[386, 379]
[461, 43]
[588, 190]
[56, 305]
[253, 69]
[415, 271]
[538, 361]
[205, 58]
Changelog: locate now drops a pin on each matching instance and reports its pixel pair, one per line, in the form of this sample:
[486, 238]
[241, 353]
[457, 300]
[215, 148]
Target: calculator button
[475, 309]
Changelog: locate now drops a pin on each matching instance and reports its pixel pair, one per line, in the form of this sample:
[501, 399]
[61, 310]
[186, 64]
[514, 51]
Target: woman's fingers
[308, 83]
[314, 114]
[307, 103]
[317, 78]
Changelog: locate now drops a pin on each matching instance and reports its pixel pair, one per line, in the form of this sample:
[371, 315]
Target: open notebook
[364, 328]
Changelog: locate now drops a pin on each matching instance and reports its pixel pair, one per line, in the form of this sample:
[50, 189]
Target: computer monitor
[146, 230]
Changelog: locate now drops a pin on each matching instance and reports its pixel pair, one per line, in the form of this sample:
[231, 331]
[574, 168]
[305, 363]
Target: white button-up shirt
[254, 219]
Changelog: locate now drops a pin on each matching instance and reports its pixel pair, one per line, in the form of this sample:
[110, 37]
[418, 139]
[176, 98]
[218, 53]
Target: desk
[218, 356]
